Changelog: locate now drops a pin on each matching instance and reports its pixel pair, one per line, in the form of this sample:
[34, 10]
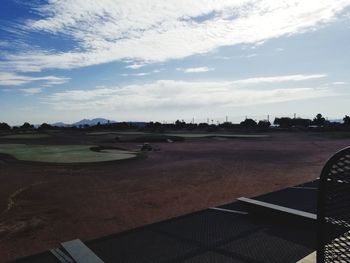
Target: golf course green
[63, 153]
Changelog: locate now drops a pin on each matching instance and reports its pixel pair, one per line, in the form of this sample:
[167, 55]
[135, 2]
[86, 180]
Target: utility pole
[226, 118]
[268, 117]
[295, 115]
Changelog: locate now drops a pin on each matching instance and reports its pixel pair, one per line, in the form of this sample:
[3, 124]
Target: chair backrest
[333, 210]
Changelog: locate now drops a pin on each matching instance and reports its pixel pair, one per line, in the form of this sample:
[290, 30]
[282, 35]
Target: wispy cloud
[195, 70]
[339, 83]
[297, 77]
[13, 79]
[31, 91]
[4, 44]
[251, 55]
[154, 31]
[135, 66]
[171, 94]
[140, 74]
[158, 70]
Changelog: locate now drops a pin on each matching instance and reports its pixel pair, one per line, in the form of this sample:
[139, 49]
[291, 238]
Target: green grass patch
[63, 153]
[25, 136]
[206, 135]
[117, 133]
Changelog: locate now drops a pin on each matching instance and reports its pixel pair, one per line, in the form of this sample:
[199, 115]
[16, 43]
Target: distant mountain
[91, 122]
[60, 124]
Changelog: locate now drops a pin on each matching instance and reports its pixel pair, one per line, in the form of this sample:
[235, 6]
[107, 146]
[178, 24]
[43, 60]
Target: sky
[162, 60]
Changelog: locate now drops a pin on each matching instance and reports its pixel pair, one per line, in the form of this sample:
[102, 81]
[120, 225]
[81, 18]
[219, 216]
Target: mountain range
[89, 122]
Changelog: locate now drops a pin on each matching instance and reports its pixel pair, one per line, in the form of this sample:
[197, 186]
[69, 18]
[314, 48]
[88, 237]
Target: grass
[63, 153]
[117, 133]
[25, 136]
[183, 135]
[205, 135]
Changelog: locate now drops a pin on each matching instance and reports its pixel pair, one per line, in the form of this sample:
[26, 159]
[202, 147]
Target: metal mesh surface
[334, 209]
[211, 257]
[142, 246]
[208, 236]
[208, 227]
[272, 245]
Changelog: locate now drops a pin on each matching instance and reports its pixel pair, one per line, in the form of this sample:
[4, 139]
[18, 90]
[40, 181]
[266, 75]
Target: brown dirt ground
[55, 203]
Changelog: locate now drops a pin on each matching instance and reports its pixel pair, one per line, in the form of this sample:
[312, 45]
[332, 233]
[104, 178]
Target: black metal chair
[333, 210]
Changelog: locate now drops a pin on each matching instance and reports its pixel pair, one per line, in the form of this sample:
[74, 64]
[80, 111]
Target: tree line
[282, 123]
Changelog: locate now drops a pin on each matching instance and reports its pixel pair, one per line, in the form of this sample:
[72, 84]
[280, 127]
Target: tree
[300, 122]
[319, 120]
[45, 126]
[249, 123]
[283, 122]
[226, 125]
[346, 120]
[180, 124]
[4, 126]
[264, 124]
[203, 125]
[27, 126]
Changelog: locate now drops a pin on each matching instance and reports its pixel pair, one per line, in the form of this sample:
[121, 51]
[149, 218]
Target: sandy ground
[43, 205]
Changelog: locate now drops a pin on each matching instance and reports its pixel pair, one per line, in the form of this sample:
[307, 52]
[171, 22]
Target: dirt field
[42, 205]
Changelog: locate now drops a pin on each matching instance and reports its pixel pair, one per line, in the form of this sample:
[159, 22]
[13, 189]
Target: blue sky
[166, 60]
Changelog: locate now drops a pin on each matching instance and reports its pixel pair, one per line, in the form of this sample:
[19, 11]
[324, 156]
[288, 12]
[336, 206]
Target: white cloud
[140, 74]
[13, 79]
[31, 91]
[195, 70]
[135, 66]
[297, 77]
[171, 94]
[339, 83]
[154, 31]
